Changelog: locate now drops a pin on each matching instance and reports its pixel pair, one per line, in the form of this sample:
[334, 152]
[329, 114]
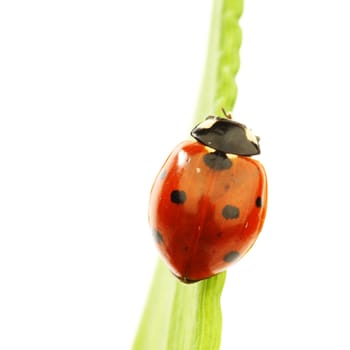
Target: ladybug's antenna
[227, 115]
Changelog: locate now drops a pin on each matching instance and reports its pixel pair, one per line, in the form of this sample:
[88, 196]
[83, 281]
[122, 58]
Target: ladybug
[208, 202]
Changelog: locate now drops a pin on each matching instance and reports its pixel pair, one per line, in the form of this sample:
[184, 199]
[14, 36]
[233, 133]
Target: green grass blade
[188, 317]
[196, 315]
[154, 325]
[179, 316]
[219, 89]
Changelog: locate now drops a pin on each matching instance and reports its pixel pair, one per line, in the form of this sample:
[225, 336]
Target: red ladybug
[208, 202]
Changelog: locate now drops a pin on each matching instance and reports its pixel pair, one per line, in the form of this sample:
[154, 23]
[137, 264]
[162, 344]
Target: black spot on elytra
[231, 256]
[178, 197]
[230, 212]
[157, 236]
[217, 161]
[258, 202]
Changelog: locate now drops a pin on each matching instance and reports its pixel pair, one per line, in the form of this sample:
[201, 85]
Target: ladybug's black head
[227, 136]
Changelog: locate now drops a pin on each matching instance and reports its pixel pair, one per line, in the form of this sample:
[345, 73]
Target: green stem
[179, 316]
[188, 317]
[219, 89]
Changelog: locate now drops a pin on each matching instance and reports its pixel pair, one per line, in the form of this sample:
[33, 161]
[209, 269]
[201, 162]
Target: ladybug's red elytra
[208, 202]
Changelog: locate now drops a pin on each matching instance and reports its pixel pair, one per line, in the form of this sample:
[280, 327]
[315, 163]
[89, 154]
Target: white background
[93, 97]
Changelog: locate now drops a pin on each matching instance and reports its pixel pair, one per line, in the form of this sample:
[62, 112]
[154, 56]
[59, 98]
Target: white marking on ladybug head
[207, 123]
[250, 136]
[209, 149]
[231, 156]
